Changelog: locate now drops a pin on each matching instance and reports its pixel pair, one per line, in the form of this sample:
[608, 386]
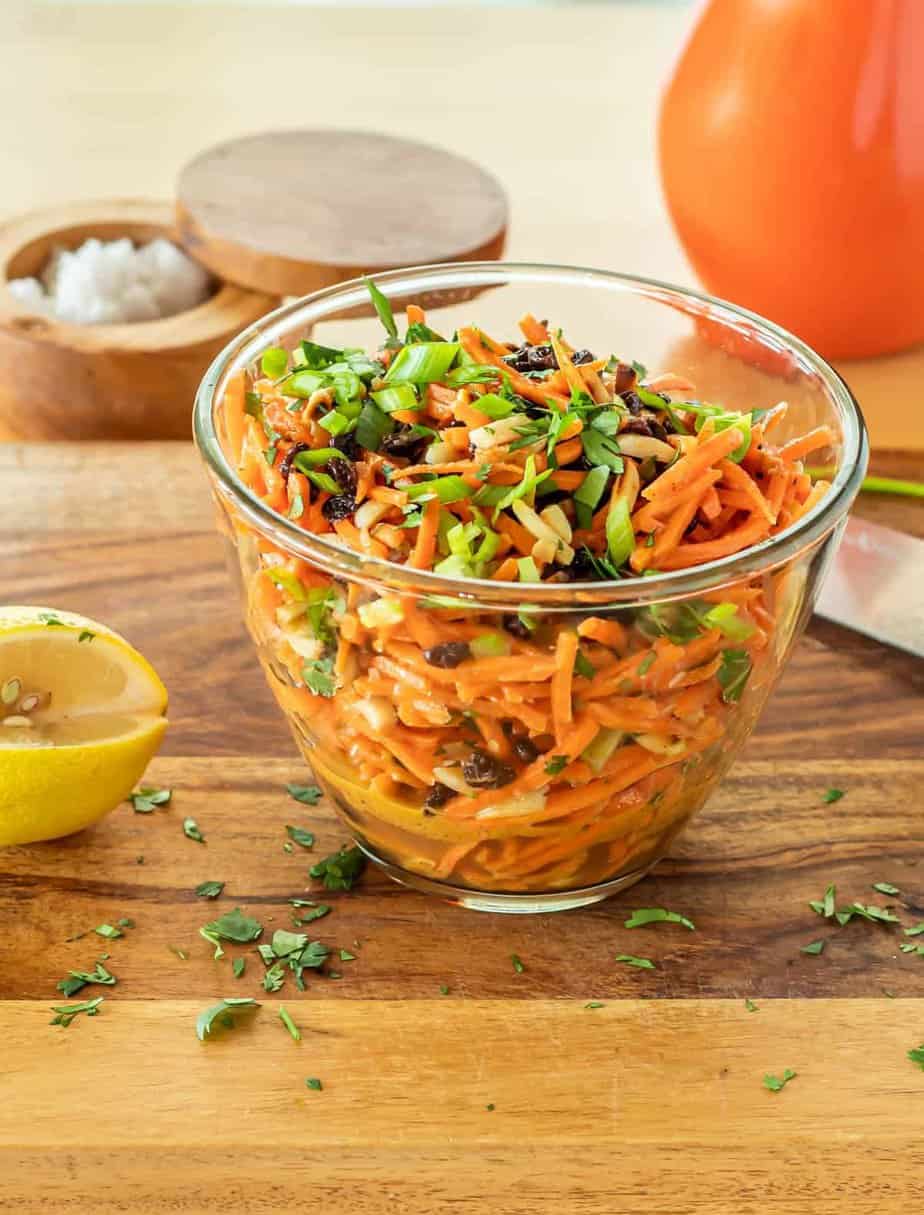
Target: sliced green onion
[400, 396]
[455, 567]
[724, 616]
[725, 421]
[425, 363]
[347, 386]
[494, 406]
[873, 485]
[306, 460]
[620, 538]
[490, 645]
[335, 422]
[527, 570]
[274, 362]
[602, 748]
[589, 493]
[421, 333]
[304, 383]
[653, 401]
[525, 489]
[323, 481]
[287, 581]
[447, 489]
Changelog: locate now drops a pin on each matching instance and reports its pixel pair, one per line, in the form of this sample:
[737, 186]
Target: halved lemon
[81, 715]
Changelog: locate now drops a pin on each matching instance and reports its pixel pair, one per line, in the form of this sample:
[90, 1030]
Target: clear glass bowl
[672, 698]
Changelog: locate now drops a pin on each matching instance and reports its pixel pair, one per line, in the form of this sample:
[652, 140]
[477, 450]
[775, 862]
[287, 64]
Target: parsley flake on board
[319, 677]
[916, 931]
[517, 963]
[886, 888]
[881, 915]
[556, 764]
[444, 989]
[232, 926]
[308, 795]
[815, 947]
[775, 1083]
[298, 835]
[832, 795]
[107, 931]
[314, 1084]
[78, 979]
[67, 1012]
[238, 967]
[146, 801]
[594, 1004]
[220, 1014]
[751, 1006]
[657, 915]
[631, 960]
[191, 830]
[341, 869]
[917, 1055]
[825, 906]
[209, 890]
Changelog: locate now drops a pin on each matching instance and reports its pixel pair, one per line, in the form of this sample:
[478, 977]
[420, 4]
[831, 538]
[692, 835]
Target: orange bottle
[792, 157]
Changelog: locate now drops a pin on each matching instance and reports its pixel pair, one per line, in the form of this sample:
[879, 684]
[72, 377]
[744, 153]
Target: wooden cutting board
[509, 1093]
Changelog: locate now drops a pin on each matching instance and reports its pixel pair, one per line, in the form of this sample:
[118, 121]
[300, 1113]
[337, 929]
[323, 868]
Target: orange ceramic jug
[792, 157]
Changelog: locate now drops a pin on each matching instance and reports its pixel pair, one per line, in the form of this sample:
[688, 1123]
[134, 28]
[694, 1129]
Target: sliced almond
[9, 693]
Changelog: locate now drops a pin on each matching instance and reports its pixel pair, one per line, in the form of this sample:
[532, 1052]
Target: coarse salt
[114, 282]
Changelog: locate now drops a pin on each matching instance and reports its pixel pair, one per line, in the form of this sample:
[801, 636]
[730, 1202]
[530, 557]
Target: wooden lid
[289, 212]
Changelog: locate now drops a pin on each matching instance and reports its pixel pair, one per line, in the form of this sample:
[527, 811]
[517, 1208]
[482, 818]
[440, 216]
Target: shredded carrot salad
[519, 751]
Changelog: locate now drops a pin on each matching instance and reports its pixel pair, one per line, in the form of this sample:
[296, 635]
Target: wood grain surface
[654, 1101]
[313, 227]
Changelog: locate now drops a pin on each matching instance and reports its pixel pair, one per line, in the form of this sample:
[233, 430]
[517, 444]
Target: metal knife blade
[876, 585]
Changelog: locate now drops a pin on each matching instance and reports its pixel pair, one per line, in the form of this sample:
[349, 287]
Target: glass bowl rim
[385, 576]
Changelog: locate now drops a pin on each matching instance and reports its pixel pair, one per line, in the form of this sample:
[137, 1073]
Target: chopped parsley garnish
[751, 1006]
[886, 888]
[346, 956]
[646, 664]
[274, 977]
[631, 960]
[832, 795]
[319, 678]
[308, 795]
[294, 1032]
[180, 953]
[220, 1014]
[814, 948]
[775, 1083]
[517, 963]
[145, 800]
[917, 1055]
[383, 309]
[314, 1084]
[316, 913]
[191, 830]
[68, 1012]
[594, 1004]
[86, 635]
[209, 890]
[880, 915]
[238, 966]
[107, 931]
[341, 869]
[444, 990]
[657, 915]
[916, 931]
[298, 835]
[556, 764]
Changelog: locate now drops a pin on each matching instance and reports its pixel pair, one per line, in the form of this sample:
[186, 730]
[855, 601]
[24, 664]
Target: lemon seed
[10, 690]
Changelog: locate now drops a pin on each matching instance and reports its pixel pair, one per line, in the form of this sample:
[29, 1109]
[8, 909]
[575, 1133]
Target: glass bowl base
[510, 904]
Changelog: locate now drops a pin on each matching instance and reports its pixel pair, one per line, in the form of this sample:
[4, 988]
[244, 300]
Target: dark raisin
[437, 795]
[516, 628]
[449, 654]
[625, 377]
[509, 727]
[581, 356]
[483, 771]
[631, 401]
[524, 749]
[288, 459]
[348, 445]
[338, 507]
[403, 443]
[532, 358]
[636, 426]
[344, 474]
